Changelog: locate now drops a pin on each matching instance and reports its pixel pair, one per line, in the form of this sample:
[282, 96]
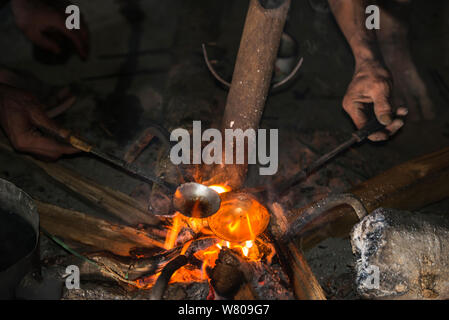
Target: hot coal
[17, 238]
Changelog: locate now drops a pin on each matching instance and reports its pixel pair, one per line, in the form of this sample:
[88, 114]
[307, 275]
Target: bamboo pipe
[252, 77]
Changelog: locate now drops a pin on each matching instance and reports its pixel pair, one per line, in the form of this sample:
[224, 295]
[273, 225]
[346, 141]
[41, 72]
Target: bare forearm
[350, 16]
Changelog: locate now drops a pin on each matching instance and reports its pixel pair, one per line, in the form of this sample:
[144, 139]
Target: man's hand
[20, 116]
[36, 19]
[372, 85]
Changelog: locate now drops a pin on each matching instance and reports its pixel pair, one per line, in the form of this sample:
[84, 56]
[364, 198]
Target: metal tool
[191, 199]
[358, 136]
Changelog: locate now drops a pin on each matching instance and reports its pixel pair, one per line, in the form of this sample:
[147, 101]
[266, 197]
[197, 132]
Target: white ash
[407, 251]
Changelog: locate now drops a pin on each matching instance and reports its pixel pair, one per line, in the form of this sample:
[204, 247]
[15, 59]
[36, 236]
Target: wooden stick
[137, 147]
[408, 186]
[115, 202]
[305, 284]
[77, 226]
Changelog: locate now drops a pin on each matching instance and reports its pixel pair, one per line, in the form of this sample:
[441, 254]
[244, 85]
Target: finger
[402, 112]
[355, 111]
[46, 43]
[390, 130]
[61, 108]
[77, 38]
[35, 143]
[383, 110]
[378, 136]
[394, 126]
[40, 120]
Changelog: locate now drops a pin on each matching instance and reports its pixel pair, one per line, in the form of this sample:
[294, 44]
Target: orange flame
[172, 234]
[220, 188]
[239, 221]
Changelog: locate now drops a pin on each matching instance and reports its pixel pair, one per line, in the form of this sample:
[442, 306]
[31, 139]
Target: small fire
[237, 224]
[220, 188]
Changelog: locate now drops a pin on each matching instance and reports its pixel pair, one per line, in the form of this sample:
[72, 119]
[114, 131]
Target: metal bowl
[16, 202]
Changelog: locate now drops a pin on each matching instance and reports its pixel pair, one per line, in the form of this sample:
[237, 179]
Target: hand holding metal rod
[191, 199]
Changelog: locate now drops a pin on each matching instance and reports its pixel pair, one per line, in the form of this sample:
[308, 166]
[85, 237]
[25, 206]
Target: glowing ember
[240, 218]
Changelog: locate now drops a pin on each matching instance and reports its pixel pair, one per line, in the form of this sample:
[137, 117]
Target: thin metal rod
[132, 169]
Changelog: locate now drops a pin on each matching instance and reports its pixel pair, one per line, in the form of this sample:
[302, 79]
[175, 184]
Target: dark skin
[21, 114]
[372, 82]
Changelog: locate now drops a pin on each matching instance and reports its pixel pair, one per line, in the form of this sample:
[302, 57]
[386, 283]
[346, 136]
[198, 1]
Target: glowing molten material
[240, 218]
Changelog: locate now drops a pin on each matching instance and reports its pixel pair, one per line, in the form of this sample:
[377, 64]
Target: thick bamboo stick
[252, 77]
[408, 186]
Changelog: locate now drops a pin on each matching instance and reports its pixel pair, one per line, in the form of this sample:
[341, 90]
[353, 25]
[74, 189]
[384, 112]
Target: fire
[187, 274]
[220, 188]
[240, 218]
[170, 240]
[238, 222]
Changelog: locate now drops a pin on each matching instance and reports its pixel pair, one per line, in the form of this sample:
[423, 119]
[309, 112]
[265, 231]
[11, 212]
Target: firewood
[137, 147]
[115, 202]
[77, 226]
[305, 284]
[231, 277]
[408, 186]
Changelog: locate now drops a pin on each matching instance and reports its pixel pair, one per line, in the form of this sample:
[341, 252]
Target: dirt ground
[307, 112]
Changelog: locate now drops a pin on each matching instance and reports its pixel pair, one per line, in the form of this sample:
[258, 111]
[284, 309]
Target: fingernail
[385, 119]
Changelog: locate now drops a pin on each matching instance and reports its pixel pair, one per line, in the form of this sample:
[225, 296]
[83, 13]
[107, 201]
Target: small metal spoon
[196, 200]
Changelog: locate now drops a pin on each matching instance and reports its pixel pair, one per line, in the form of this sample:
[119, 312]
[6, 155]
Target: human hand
[38, 20]
[372, 85]
[20, 116]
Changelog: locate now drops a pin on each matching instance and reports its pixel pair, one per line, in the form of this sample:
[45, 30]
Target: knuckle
[381, 86]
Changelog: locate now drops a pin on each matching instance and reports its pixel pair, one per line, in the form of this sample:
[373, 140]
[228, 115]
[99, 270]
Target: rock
[402, 255]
